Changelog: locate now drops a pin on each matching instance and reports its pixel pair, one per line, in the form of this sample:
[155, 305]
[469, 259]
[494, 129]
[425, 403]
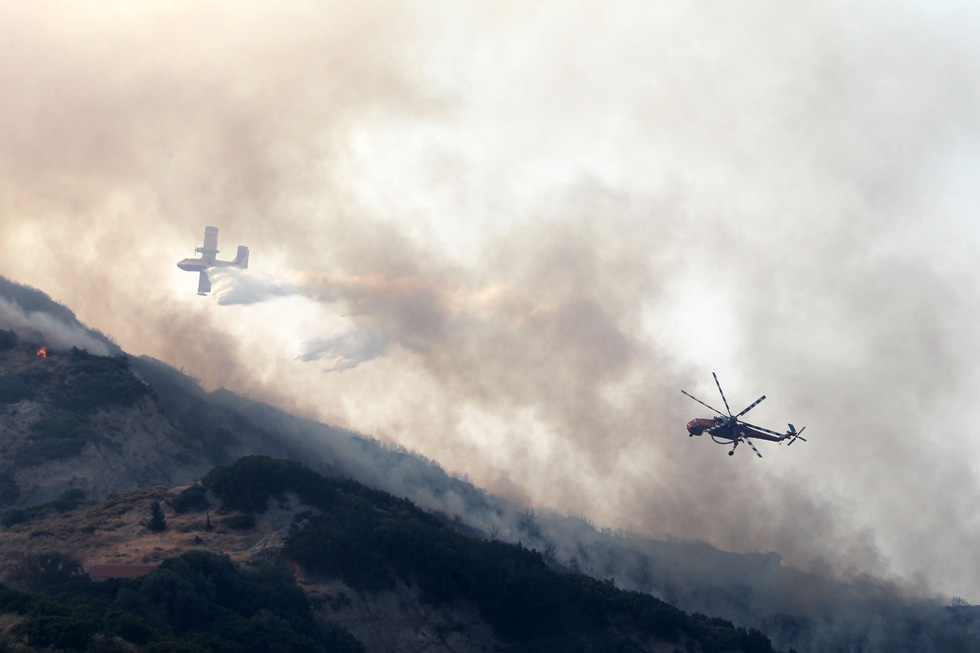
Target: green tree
[56, 631]
[50, 572]
[192, 499]
[242, 521]
[14, 389]
[157, 521]
[9, 491]
[7, 339]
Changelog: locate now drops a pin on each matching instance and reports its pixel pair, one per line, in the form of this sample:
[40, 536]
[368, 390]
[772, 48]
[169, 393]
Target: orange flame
[43, 352]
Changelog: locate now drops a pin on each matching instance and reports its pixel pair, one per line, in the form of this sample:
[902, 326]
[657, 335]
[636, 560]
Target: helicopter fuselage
[730, 430]
[699, 425]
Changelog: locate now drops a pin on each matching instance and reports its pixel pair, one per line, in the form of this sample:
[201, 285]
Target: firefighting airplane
[208, 260]
[729, 429]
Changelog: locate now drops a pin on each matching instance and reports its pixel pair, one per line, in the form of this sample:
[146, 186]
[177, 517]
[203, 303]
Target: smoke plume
[47, 329]
[513, 233]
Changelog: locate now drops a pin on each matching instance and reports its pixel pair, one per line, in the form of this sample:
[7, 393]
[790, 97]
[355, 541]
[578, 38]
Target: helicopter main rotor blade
[703, 404]
[745, 438]
[752, 405]
[722, 394]
[759, 428]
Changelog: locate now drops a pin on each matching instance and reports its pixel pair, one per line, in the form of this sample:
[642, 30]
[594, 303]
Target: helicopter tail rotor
[795, 434]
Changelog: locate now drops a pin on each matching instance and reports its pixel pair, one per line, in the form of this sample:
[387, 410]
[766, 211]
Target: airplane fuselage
[195, 264]
[208, 259]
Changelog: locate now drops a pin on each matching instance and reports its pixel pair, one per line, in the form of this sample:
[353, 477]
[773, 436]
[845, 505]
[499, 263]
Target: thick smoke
[47, 329]
[514, 232]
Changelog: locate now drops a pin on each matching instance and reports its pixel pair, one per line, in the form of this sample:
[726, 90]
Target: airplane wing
[203, 283]
[210, 243]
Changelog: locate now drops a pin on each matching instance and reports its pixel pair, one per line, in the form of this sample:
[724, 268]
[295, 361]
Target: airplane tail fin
[241, 259]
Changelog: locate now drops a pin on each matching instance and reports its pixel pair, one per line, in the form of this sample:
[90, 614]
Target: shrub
[9, 490]
[61, 435]
[59, 632]
[14, 517]
[196, 603]
[13, 389]
[192, 499]
[249, 482]
[38, 453]
[99, 391]
[68, 500]
[241, 521]
[47, 449]
[62, 424]
[104, 381]
[209, 602]
[51, 571]
[157, 521]
[7, 339]
[127, 625]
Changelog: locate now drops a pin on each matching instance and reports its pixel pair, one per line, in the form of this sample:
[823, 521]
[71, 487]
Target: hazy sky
[506, 235]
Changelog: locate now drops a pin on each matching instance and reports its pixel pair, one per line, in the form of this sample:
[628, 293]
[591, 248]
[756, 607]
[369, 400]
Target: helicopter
[729, 429]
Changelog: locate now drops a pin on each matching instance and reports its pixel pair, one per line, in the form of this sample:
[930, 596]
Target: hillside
[372, 565]
[75, 420]
[99, 426]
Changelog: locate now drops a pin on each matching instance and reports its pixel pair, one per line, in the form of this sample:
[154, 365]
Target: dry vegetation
[115, 532]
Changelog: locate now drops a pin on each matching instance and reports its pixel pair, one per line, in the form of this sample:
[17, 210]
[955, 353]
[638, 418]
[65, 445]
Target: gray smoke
[514, 232]
[46, 329]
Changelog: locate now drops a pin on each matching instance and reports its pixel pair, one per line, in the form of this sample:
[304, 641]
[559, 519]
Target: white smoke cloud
[386, 310]
[540, 221]
[44, 328]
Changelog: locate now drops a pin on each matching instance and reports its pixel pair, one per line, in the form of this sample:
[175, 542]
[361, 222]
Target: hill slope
[99, 424]
[371, 564]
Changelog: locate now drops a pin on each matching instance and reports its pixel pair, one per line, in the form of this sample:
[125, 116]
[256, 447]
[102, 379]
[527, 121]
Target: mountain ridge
[204, 429]
[260, 512]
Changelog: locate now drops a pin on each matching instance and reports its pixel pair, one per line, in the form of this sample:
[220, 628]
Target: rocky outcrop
[397, 620]
[119, 447]
[136, 447]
